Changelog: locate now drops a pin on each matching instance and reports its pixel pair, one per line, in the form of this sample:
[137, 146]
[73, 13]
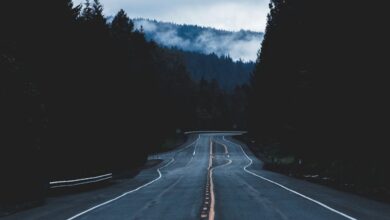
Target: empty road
[213, 176]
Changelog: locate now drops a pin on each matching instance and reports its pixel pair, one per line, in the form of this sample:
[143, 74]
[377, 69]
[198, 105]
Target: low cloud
[242, 45]
[238, 45]
[146, 25]
[171, 39]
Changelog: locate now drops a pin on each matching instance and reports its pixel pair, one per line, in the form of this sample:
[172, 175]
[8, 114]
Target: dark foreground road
[211, 177]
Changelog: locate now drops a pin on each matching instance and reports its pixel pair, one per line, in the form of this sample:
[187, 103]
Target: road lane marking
[188, 146]
[124, 194]
[208, 210]
[286, 188]
[211, 154]
[196, 142]
[174, 152]
[211, 214]
[226, 150]
[195, 148]
[212, 205]
[212, 199]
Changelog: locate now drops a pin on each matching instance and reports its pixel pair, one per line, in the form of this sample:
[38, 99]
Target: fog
[242, 45]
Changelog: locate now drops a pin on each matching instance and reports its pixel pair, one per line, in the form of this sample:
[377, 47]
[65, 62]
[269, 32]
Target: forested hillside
[319, 97]
[228, 73]
[239, 45]
[208, 53]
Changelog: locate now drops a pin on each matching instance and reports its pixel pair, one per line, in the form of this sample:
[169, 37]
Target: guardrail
[78, 182]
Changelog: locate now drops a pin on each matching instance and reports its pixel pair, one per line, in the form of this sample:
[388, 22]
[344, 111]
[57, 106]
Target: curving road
[211, 177]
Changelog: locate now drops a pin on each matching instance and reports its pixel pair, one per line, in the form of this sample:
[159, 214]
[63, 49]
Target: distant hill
[208, 53]
[241, 45]
[229, 74]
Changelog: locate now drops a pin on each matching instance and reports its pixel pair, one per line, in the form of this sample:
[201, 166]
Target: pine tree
[122, 26]
[97, 13]
[87, 13]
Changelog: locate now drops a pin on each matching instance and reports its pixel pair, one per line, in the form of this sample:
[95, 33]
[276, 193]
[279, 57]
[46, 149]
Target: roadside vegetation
[319, 99]
[81, 96]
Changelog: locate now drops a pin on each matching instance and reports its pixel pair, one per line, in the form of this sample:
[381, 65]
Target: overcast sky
[223, 14]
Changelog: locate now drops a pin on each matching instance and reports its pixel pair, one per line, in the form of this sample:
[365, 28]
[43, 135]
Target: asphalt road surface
[211, 177]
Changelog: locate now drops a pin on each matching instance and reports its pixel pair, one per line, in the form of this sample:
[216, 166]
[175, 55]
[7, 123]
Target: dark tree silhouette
[81, 96]
[317, 91]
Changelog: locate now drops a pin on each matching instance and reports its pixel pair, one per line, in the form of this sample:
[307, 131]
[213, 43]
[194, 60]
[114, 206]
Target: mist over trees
[239, 45]
[207, 53]
[319, 93]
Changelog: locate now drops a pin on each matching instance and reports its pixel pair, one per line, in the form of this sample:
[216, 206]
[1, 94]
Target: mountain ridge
[194, 26]
[205, 51]
[239, 45]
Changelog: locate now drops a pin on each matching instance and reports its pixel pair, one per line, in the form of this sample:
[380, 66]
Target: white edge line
[178, 150]
[288, 189]
[223, 165]
[124, 194]
[196, 145]
[82, 183]
[78, 180]
[193, 153]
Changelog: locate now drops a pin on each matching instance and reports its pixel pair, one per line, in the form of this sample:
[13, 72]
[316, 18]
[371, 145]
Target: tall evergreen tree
[121, 25]
[315, 87]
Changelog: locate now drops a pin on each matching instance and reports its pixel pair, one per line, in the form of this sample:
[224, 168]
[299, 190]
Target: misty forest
[81, 94]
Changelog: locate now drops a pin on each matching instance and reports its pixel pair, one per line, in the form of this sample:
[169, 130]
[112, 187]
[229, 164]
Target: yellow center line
[212, 204]
[211, 154]
[210, 195]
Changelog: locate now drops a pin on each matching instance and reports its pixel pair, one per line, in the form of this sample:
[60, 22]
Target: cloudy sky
[223, 14]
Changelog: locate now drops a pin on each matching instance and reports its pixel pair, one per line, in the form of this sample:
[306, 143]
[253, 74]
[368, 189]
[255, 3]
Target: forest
[228, 73]
[319, 98]
[81, 96]
[239, 45]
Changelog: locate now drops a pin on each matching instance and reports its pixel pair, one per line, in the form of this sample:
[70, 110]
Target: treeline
[204, 40]
[319, 92]
[78, 95]
[228, 73]
[81, 96]
[201, 102]
[192, 32]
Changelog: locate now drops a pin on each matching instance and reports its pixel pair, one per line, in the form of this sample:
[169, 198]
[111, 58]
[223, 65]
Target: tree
[122, 25]
[314, 87]
[87, 12]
